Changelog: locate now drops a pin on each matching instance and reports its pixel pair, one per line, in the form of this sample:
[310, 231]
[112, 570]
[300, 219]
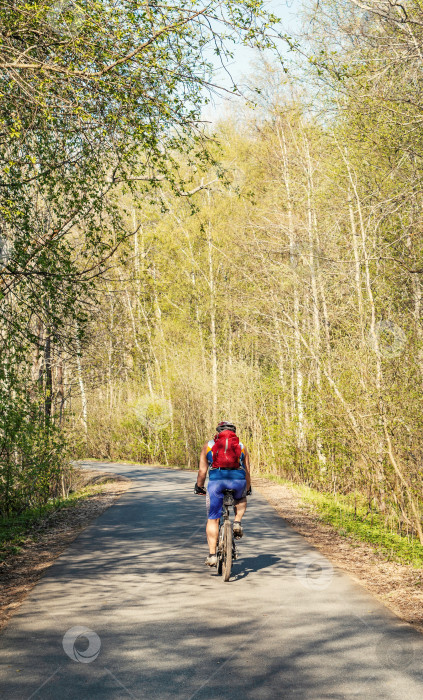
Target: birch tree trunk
[84, 408]
[380, 476]
[311, 217]
[293, 251]
[213, 340]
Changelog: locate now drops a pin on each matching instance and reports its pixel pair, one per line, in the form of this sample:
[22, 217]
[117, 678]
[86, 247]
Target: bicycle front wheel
[227, 551]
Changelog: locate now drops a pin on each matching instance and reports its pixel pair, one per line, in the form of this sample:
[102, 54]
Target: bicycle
[226, 549]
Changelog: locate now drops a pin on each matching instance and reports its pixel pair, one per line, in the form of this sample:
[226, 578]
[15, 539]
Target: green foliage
[32, 452]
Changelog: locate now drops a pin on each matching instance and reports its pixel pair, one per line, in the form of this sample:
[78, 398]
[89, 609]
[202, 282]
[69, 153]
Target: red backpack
[226, 450]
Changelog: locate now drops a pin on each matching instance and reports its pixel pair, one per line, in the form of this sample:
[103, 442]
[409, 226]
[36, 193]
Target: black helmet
[225, 425]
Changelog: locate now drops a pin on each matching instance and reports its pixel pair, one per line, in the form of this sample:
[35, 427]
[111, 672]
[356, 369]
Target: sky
[242, 64]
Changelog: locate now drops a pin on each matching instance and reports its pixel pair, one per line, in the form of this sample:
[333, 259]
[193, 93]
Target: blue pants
[215, 491]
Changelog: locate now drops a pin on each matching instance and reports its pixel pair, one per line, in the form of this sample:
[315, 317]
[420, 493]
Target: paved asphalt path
[132, 602]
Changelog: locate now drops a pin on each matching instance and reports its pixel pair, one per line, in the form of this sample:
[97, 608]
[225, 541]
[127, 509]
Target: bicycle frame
[226, 549]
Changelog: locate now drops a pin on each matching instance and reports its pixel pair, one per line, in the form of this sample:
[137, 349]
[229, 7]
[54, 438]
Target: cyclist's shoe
[211, 560]
[238, 532]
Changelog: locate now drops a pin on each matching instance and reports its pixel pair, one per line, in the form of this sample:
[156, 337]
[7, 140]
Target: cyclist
[228, 463]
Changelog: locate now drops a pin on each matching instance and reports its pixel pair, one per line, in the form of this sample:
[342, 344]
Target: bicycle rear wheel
[227, 551]
[220, 549]
[219, 565]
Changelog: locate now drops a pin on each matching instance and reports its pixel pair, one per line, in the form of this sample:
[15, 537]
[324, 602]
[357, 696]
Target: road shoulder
[51, 535]
[398, 586]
